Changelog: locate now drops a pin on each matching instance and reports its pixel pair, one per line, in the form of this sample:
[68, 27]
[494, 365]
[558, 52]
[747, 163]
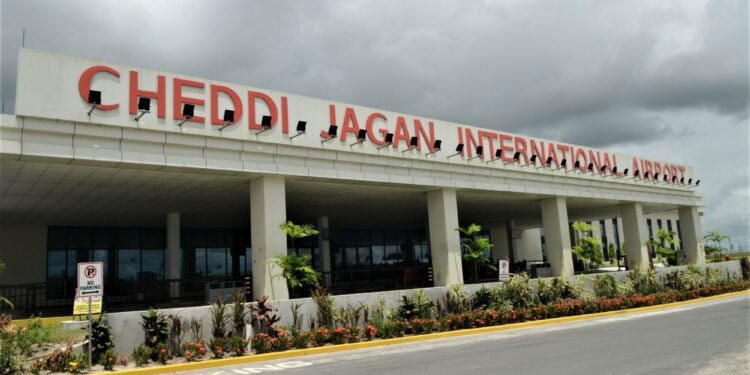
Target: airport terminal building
[179, 183]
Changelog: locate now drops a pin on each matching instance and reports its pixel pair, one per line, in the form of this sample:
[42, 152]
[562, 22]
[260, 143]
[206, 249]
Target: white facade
[62, 167]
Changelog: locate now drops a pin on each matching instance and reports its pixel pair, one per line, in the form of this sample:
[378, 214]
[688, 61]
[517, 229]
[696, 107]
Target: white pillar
[635, 234]
[692, 234]
[557, 236]
[445, 243]
[325, 248]
[528, 245]
[173, 252]
[499, 237]
[267, 213]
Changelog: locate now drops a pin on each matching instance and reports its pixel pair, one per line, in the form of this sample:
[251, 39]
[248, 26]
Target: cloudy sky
[665, 79]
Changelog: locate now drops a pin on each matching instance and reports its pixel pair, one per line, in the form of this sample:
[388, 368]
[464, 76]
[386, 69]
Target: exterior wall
[24, 251]
[126, 337]
[528, 245]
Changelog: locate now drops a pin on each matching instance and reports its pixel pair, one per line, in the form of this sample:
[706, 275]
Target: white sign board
[90, 280]
[504, 269]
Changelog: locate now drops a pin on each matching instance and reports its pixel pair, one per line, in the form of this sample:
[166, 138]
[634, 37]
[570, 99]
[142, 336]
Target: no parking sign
[90, 280]
[504, 270]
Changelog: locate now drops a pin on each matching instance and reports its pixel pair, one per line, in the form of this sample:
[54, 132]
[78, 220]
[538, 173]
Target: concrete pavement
[705, 338]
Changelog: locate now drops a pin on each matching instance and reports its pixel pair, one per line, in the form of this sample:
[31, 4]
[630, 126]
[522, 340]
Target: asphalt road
[706, 338]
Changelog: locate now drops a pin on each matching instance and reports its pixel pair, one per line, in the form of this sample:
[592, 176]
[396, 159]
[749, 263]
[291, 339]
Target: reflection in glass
[217, 262]
[56, 265]
[153, 264]
[378, 255]
[129, 264]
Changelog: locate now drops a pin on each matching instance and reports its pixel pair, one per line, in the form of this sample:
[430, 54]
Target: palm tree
[716, 238]
[662, 245]
[474, 248]
[296, 269]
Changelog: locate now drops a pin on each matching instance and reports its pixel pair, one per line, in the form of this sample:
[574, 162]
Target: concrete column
[557, 236]
[267, 213]
[445, 243]
[528, 245]
[635, 234]
[325, 249]
[692, 234]
[173, 252]
[499, 237]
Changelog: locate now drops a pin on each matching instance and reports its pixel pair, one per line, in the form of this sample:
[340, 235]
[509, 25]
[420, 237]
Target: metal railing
[56, 297]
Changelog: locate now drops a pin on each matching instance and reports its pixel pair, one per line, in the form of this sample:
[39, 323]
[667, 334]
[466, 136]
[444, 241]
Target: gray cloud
[613, 74]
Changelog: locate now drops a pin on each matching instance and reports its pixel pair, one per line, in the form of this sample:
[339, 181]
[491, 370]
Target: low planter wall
[127, 331]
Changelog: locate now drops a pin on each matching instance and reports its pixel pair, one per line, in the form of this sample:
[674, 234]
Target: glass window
[338, 260]
[200, 262]
[378, 255]
[56, 265]
[153, 264]
[101, 255]
[216, 262]
[128, 265]
[351, 256]
[105, 239]
[79, 238]
[154, 238]
[363, 254]
[317, 263]
[129, 239]
[57, 238]
[393, 254]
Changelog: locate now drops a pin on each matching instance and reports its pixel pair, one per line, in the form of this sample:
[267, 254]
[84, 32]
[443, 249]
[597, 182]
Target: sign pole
[90, 336]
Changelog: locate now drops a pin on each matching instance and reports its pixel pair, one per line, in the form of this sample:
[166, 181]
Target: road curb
[191, 366]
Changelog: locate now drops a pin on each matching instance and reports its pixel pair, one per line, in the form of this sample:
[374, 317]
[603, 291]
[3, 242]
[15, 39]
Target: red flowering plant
[194, 351]
[422, 326]
[218, 347]
[321, 336]
[236, 346]
[262, 343]
[302, 340]
[282, 341]
[370, 332]
[340, 335]
[163, 354]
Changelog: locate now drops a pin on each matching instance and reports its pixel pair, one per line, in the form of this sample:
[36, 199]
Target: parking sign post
[90, 284]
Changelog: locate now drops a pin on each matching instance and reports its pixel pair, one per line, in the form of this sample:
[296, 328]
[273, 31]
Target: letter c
[84, 84]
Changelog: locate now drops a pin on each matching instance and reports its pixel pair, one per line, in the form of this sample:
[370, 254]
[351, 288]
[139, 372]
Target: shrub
[219, 318]
[644, 282]
[141, 355]
[301, 340]
[625, 288]
[239, 314]
[156, 330]
[108, 360]
[370, 332]
[518, 291]
[262, 343]
[482, 298]
[456, 300]
[418, 306]
[282, 341]
[163, 354]
[236, 346]
[263, 316]
[605, 286]
[196, 329]
[321, 336]
[745, 266]
[326, 309]
[101, 338]
[340, 335]
[194, 351]
[217, 345]
[176, 333]
[60, 360]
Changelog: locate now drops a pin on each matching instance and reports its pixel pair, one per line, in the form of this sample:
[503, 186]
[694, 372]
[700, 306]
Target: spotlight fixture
[624, 173]
[435, 147]
[459, 150]
[656, 177]
[388, 140]
[413, 142]
[636, 174]
[645, 175]
[144, 106]
[332, 130]
[547, 162]
[563, 165]
[265, 124]
[516, 158]
[498, 155]
[698, 182]
[602, 170]
[361, 137]
[533, 160]
[188, 111]
[480, 153]
[95, 99]
[301, 126]
[674, 179]
[576, 166]
[590, 168]
[682, 180]
[690, 181]
[228, 118]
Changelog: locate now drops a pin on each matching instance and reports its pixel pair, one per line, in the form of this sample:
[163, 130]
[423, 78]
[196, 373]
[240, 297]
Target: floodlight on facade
[498, 155]
[413, 142]
[301, 128]
[332, 130]
[188, 111]
[228, 118]
[388, 140]
[144, 106]
[435, 147]
[480, 153]
[265, 124]
[95, 99]
[459, 150]
[361, 137]
[563, 165]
